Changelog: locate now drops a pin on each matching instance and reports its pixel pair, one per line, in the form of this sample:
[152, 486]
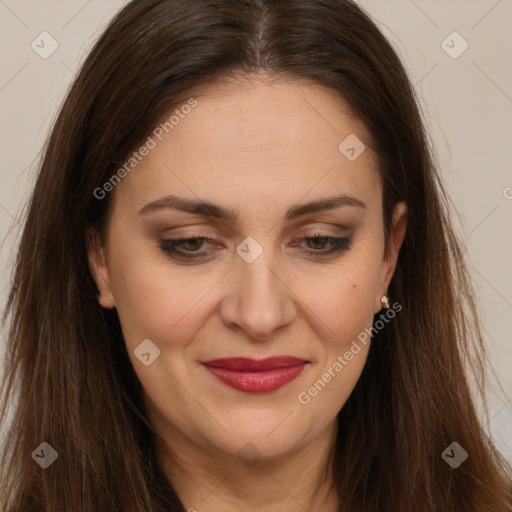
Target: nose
[259, 301]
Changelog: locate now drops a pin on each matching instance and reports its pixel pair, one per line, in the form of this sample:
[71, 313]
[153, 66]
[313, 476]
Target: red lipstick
[256, 376]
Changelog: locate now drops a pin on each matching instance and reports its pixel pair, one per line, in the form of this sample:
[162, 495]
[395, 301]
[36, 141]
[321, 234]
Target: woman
[238, 287]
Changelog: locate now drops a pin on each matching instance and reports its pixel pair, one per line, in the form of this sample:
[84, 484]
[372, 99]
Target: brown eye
[317, 242]
[190, 245]
[193, 244]
[191, 248]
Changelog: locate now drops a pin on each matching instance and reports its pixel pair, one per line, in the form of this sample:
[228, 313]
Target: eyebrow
[207, 209]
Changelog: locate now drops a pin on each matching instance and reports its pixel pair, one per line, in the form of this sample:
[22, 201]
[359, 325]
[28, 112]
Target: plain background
[467, 103]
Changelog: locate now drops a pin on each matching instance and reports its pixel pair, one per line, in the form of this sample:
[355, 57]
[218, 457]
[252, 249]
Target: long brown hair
[67, 370]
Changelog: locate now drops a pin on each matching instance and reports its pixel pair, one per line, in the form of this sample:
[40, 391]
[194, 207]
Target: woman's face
[267, 282]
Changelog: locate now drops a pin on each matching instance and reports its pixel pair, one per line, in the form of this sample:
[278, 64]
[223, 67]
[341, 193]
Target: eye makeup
[193, 246]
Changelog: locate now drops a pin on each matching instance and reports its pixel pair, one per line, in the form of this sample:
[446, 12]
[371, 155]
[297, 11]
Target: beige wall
[467, 101]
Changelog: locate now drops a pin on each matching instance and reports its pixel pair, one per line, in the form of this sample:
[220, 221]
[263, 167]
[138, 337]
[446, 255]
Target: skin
[257, 146]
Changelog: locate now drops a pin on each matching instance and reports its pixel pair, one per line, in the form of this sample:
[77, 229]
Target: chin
[268, 435]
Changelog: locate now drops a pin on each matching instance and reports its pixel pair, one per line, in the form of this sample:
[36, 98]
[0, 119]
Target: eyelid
[333, 231]
[325, 231]
[307, 230]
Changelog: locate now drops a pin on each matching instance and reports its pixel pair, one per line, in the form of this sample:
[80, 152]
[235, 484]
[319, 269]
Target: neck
[210, 480]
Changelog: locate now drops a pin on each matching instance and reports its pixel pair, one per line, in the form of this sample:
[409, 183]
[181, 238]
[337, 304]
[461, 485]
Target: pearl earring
[385, 301]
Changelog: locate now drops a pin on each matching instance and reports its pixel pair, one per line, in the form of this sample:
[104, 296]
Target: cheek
[346, 310]
[344, 298]
[154, 303]
[345, 305]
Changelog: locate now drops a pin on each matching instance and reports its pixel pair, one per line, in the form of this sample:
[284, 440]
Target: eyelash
[340, 245]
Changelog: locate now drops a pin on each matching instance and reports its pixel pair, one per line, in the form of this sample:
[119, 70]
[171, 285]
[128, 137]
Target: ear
[387, 269]
[98, 267]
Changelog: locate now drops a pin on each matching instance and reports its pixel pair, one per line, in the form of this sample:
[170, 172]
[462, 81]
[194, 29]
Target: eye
[193, 247]
[337, 244]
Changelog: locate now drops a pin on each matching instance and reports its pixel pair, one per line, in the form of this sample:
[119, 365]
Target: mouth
[256, 376]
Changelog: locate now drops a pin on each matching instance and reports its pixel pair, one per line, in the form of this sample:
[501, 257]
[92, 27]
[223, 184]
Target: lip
[256, 376]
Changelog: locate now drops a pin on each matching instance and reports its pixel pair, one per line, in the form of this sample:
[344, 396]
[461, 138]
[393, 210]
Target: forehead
[274, 140]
